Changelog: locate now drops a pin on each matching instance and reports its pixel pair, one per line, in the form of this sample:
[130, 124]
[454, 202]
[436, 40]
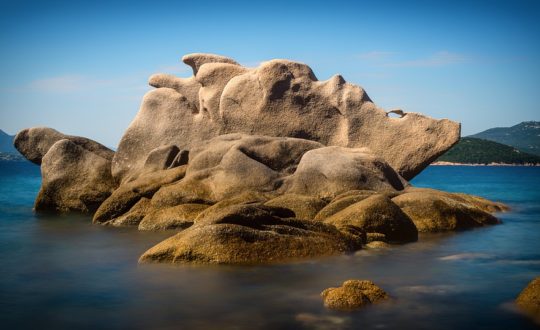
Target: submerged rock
[353, 294]
[529, 300]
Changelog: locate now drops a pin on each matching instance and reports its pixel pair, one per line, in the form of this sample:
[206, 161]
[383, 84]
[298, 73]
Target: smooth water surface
[62, 272]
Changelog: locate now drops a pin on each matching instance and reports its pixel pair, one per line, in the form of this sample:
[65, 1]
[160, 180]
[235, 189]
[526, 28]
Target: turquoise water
[62, 272]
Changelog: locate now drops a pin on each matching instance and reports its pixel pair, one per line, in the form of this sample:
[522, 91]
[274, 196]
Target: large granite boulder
[73, 179]
[329, 171]
[529, 300]
[353, 294]
[231, 164]
[278, 98]
[249, 234]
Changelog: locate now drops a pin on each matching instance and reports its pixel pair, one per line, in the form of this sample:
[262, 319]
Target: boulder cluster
[257, 165]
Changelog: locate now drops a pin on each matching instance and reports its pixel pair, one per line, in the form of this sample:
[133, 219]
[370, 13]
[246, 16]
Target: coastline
[442, 163]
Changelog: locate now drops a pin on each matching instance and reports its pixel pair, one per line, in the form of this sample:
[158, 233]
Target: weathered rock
[529, 300]
[176, 217]
[353, 294]
[245, 214]
[73, 179]
[35, 142]
[329, 171]
[342, 201]
[127, 195]
[377, 245]
[376, 237]
[133, 216]
[161, 158]
[279, 98]
[232, 164]
[304, 207]
[377, 214]
[196, 60]
[435, 211]
[249, 234]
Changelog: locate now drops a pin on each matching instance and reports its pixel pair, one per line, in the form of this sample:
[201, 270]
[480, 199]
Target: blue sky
[82, 67]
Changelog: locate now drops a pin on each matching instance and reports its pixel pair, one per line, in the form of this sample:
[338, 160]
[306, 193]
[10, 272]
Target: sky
[82, 67]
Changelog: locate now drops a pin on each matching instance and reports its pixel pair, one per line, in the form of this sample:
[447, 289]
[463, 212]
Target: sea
[63, 272]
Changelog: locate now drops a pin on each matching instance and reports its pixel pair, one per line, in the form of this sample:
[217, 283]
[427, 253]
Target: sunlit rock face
[278, 98]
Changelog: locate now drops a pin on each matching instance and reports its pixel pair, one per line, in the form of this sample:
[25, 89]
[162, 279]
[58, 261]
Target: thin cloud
[67, 84]
[376, 55]
[438, 59]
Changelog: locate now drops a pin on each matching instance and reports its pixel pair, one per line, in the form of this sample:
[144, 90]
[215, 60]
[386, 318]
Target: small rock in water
[353, 294]
[529, 300]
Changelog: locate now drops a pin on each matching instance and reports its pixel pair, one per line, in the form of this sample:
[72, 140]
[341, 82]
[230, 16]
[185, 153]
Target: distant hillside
[524, 136]
[477, 151]
[6, 143]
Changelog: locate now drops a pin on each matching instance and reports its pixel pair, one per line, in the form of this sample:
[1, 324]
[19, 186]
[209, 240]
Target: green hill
[524, 136]
[477, 151]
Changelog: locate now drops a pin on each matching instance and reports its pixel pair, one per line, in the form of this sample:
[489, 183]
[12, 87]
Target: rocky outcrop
[73, 179]
[130, 193]
[250, 234]
[304, 207]
[231, 164]
[35, 142]
[329, 171]
[342, 201]
[278, 98]
[377, 214]
[435, 211]
[176, 217]
[353, 294]
[529, 300]
[257, 165]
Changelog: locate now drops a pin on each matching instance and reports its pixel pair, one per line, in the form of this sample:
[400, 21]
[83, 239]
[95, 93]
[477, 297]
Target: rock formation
[76, 171]
[278, 98]
[257, 165]
[353, 294]
[529, 300]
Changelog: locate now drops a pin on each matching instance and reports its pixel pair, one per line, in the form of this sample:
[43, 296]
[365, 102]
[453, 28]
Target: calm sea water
[62, 272]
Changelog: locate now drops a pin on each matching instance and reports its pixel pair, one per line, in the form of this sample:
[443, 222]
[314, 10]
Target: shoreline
[441, 163]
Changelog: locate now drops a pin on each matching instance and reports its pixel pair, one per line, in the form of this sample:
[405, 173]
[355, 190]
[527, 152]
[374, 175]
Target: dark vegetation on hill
[477, 151]
[524, 136]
